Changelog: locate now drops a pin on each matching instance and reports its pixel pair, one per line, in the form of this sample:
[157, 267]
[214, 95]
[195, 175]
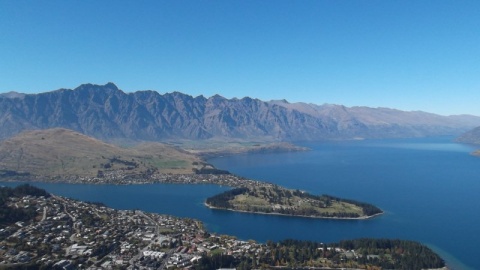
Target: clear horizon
[406, 55]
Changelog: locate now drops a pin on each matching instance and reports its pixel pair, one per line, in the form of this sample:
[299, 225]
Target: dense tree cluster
[368, 209]
[217, 261]
[206, 170]
[222, 200]
[10, 215]
[22, 190]
[364, 253]
[395, 254]
[11, 173]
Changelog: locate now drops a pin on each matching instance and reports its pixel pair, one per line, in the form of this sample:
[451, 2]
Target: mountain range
[107, 113]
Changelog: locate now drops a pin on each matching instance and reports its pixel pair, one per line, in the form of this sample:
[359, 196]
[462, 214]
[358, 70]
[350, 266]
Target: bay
[428, 189]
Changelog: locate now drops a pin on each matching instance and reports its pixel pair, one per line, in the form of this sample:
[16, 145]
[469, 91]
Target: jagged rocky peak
[111, 86]
[249, 100]
[95, 88]
[279, 101]
[200, 98]
[217, 97]
[12, 94]
[179, 94]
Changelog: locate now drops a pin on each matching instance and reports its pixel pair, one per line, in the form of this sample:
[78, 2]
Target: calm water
[428, 188]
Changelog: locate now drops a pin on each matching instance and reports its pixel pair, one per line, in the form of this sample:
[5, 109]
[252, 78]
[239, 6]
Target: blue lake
[428, 189]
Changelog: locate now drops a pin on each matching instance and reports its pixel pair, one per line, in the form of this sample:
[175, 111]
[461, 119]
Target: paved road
[44, 213]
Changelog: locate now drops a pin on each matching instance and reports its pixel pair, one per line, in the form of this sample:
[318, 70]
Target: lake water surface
[428, 188]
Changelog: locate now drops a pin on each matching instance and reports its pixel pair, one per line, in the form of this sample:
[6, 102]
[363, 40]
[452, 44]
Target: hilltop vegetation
[273, 199]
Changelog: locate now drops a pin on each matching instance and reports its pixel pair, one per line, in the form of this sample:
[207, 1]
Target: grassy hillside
[60, 152]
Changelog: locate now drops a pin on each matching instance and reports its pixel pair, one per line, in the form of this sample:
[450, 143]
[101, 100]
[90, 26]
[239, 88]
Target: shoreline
[32, 181]
[302, 216]
[219, 180]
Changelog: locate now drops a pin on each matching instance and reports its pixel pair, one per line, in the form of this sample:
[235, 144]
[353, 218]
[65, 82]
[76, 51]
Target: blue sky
[409, 55]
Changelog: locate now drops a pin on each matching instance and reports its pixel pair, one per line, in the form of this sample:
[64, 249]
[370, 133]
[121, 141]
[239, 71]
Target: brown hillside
[63, 152]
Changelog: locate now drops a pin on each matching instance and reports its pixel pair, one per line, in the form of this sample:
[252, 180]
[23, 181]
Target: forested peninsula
[274, 199]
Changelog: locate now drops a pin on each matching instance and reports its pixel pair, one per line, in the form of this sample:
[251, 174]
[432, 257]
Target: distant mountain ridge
[471, 136]
[107, 113]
